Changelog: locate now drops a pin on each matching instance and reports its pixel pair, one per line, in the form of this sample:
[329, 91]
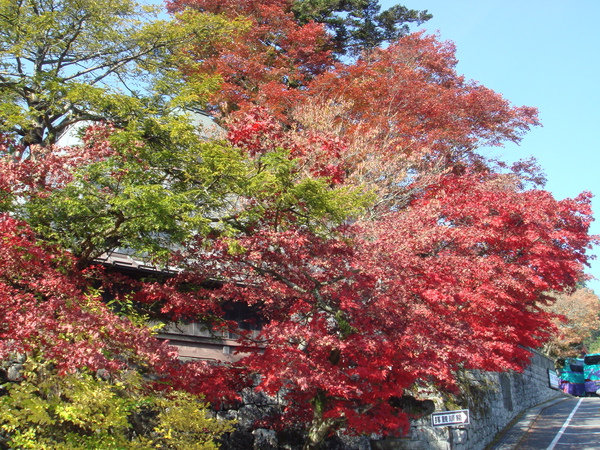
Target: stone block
[265, 439]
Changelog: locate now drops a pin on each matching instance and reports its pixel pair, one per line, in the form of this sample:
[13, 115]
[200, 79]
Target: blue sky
[542, 53]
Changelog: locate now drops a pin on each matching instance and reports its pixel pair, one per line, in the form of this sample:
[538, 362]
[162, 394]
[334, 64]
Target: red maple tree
[452, 282]
[374, 243]
[49, 310]
[449, 267]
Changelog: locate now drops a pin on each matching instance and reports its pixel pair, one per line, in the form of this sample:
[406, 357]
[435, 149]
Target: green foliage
[163, 183]
[182, 425]
[275, 184]
[62, 62]
[81, 411]
[154, 191]
[359, 24]
[125, 306]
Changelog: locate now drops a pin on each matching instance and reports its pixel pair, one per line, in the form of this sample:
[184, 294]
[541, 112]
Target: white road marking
[565, 425]
[579, 434]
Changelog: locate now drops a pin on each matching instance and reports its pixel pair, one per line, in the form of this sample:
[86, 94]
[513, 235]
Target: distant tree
[593, 344]
[579, 320]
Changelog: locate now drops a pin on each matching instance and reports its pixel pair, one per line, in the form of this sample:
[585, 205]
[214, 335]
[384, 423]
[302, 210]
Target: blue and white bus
[572, 377]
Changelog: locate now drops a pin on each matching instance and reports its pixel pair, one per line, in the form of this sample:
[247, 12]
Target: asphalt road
[570, 424]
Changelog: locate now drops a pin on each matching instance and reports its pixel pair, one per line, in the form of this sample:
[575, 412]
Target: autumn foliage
[409, 298]
[266, 62]
[347, 208]
[48, 311]
[578, 321]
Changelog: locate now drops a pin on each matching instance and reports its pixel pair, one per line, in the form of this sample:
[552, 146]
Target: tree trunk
[319, 428]
[317, 433]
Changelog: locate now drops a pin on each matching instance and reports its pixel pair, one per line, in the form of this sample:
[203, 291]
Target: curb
[511, 435]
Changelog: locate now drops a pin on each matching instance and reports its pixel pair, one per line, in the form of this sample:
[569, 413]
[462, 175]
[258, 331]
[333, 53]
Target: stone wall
[493, 400]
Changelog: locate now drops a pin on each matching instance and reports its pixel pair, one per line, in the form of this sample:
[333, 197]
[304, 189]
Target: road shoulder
[509, 437]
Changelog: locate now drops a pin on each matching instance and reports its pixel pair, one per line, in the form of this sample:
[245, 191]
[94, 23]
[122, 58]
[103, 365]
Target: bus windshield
[592, 360]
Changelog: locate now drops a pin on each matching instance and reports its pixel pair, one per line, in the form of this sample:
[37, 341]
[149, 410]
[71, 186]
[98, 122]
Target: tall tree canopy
[270, 60]
[346, 204]
[289, 42]
[66, 63]
[358, 25]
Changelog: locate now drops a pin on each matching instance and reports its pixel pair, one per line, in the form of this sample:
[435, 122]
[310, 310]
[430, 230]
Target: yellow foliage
[81, 411]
